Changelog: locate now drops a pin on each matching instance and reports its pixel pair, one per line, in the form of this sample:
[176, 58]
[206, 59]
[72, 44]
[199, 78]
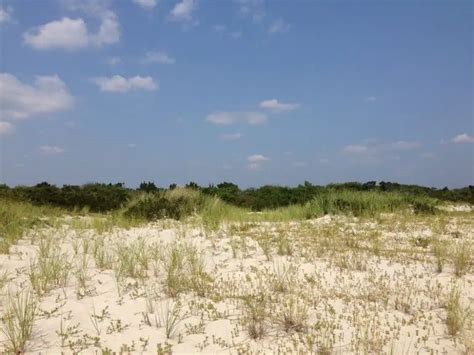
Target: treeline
[105, 197]
[270, 196]
[95, 197]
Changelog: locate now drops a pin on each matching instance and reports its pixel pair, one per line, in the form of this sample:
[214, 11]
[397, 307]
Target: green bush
[176, 204]
[16, 217]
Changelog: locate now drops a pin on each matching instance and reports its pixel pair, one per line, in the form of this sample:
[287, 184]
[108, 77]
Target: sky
[249, 91]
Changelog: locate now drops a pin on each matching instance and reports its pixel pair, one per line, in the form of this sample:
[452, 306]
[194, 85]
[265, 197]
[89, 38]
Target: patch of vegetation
[176, 204]
[16, 217]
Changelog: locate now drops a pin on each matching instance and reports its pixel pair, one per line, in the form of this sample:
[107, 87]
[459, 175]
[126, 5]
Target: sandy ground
[330, 285]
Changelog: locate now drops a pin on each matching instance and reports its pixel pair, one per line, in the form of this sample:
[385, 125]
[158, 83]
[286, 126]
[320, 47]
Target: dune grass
[181, 203]
[16, 217]
[354, 203]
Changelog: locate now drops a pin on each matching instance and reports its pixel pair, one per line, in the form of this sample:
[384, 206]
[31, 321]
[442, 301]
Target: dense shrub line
[106, 197]
[270, 196]
[95, 197]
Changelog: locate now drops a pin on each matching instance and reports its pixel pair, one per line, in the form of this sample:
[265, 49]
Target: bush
[15, 217]
[176, 204]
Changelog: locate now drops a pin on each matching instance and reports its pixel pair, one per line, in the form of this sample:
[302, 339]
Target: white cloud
[118, 83]
[5, 15]
[113, 61]
[48, 94]
[257, 158]
[72, 34]
[219, 28]
[146, 4]
[373, 148]
[158, 57]
[227, 118]
[66, 33]
[463, 138]
[109, 30]
[230, 136]
[253, 9]
[235, 34]
[279, 27]
[183, 10]
[255, 161]
[6, 128]
[277, 106]
[405, 145]
[355, 149]
[50, 150]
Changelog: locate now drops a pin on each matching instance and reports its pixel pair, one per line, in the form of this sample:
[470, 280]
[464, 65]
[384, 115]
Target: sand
[356, 286]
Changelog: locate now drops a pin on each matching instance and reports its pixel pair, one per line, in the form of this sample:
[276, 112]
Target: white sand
[355, 300]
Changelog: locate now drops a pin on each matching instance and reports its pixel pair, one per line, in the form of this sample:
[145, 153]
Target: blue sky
[248, 91]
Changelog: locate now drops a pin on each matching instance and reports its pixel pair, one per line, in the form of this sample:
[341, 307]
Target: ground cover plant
[345, 272]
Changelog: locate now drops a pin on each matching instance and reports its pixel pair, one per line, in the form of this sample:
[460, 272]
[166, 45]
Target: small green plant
[293, 315]
[50, 270]
[3, 279]
[266, 245]
[455, 314]
[283, 275]
[284, 246]
[133, 259]
[440, 251]
[256, 314]
[102, 256]
[199, 279]
[461, 255]
[18, 321]
[170, 316]
[185, 270]
[174, 266]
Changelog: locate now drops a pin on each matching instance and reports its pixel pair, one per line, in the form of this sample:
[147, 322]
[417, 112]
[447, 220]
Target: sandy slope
[357, 286]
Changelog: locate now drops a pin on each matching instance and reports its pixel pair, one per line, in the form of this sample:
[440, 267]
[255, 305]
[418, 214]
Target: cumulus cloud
[18, 100]
[253, 9]
[355, 149]
[405, 145]
[255, 161]
[228, 117]
[183, 10]
[146, 4]
[109, 31]
[257, 158]
[50, 150]
[113, 61]
[6, 128]
[279, 27]
[158, 57]
[66, 33]
[462, 138]
[118, 83]
[373, 148]
[278, 106]
[72, 34]
[5, 15]
[230, 136]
